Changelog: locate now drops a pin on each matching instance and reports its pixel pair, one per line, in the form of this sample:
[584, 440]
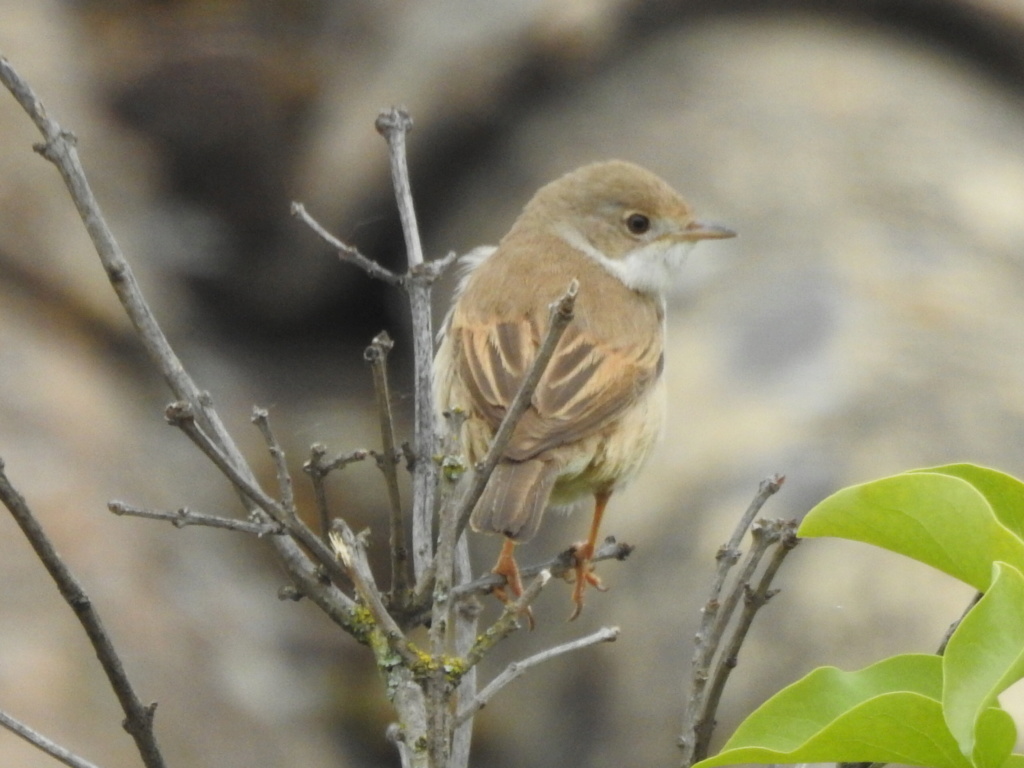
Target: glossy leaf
[888, 712]
[1003, 492]
[934, 517]
[984, 657]
[997, 735]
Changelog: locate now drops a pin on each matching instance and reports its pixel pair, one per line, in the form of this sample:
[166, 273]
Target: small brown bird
[621, 232]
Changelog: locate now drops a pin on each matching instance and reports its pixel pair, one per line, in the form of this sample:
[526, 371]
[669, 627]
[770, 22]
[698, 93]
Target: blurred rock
[866, 321]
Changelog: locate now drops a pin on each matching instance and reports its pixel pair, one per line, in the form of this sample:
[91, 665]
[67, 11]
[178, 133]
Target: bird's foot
[582, 554]
[509, 569]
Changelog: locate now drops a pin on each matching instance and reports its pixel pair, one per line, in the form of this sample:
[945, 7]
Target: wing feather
[587, 385]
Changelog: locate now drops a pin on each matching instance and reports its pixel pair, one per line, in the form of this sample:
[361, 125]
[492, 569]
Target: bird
[621, 233]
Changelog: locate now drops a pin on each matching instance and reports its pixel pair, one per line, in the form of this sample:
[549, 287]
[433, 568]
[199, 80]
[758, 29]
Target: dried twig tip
[394, 119]
[379, 348]
[178, 413]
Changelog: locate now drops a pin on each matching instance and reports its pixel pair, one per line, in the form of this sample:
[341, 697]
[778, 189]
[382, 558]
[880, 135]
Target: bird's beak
[699, 230]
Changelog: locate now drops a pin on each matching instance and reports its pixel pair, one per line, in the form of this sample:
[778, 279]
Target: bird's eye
[637, 223]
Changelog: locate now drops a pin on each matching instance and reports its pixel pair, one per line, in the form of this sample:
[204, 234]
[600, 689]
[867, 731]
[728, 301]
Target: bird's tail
[515, 498]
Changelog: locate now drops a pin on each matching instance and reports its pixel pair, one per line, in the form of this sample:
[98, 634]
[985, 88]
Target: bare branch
[308, 580]
[730, 552]
[138, 720]
[508, 622]
[377, 356]
[180, 518]
[352, 552]
[518, 668]
[467, 614]
[194, 414]
[705, 688]
[261, 419]
[347, 252]
[181, 416]
[726, 558]
[52, 748]
[777, 532]
[393, 125]
[433, 269]
[318, 467]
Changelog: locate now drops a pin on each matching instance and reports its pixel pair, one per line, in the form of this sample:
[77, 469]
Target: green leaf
[934, 517]
[1004, 493]
[888, 712]
[984, 657]
[997, 735]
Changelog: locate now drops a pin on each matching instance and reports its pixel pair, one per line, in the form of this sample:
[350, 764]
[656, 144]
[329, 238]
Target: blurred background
[868, 320]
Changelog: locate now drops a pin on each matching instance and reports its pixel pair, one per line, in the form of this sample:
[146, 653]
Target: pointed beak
[699, 230]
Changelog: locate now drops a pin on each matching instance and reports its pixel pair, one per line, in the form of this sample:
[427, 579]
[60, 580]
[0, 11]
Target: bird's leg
[584, 551]
[507, 567]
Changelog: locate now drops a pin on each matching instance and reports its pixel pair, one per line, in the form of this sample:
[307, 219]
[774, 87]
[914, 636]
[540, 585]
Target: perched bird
[621, 232]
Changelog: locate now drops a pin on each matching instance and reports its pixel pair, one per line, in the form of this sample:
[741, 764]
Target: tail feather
[515, 498]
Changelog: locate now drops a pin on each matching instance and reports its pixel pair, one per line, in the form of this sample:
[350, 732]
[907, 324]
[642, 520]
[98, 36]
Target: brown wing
[587, 384]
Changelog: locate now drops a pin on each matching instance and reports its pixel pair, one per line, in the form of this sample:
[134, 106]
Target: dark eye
[637, 223]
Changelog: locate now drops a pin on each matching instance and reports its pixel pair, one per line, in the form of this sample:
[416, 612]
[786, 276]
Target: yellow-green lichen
[426, 666]
[362, 624]
[452, 467]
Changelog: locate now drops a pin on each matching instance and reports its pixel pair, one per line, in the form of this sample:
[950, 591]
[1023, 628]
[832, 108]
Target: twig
[181, 415]
[138, 720]
[52, 748]
[261, 418]
[697, 719]
[467, 614]
[518, 668]
[508, 622]
[352, 552]
[377, 356]
[730, 552]
[777, 532]
[183, 517]
[347, 252]
[393, 125]
[318, 467]
[762, 540]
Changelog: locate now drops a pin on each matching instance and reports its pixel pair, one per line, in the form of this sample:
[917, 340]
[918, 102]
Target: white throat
[648, 268]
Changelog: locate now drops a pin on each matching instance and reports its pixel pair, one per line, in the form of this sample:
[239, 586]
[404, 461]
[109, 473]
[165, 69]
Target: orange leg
[584, 551]
[507, 567]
